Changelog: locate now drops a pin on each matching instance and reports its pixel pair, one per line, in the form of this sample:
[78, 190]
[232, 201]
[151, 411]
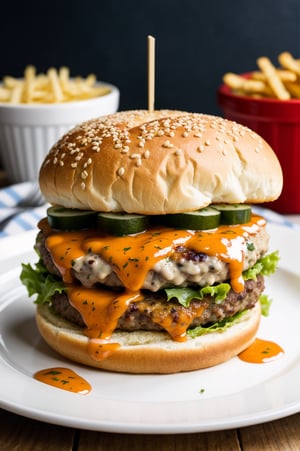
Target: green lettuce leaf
[265, 266]
[185, 295]
[265, 303]
[39, 282]
[219, 326]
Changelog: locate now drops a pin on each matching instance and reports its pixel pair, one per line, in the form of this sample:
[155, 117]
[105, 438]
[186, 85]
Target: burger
[151, 257]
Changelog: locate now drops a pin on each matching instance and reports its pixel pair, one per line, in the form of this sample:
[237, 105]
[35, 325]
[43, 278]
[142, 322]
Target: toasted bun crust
[150, 352]
[159, 162]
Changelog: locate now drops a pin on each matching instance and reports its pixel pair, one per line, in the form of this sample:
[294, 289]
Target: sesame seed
[135, 156]
[82, 186]
[146, 154]
[178, 152]
[207, 142]
[185, 134]
[121, 171]
[73, 165]
[167, 144]
[84, 175]
[138, 162]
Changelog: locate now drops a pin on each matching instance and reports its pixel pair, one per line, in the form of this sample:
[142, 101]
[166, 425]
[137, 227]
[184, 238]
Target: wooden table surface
[18, 433]
[23, 434]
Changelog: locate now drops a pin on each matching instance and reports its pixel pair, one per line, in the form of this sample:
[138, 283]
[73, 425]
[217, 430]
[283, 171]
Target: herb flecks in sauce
[65, 379]
[261, 351]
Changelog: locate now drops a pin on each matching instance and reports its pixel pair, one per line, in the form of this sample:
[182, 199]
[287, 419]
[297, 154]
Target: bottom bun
[150, 352]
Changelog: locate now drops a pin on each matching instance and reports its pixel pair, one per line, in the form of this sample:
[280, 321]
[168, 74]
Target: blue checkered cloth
[25, 219]
[28, 219]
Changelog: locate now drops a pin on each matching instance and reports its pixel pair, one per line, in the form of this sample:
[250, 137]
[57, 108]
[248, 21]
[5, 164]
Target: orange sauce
[100, 308]
[132, 257]
[261, 351]
[177, 330]
[65, 379]
[100, 350]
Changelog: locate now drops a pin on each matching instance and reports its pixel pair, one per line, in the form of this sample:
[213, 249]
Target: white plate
[235, 393]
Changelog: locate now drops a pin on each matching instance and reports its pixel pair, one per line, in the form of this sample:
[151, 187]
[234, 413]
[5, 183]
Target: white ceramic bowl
[28, 131]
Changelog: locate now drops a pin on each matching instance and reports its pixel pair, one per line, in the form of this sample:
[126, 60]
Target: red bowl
[278, 122]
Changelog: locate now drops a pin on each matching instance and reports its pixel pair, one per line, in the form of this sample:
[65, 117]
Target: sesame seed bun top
[159, 162]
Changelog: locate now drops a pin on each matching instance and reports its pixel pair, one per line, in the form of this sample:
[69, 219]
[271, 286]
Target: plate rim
[137, 427]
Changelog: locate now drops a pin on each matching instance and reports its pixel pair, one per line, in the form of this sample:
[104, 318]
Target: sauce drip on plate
[65, 379]
[261, 351]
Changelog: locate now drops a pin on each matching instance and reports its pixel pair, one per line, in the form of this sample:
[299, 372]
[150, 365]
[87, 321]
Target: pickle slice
[122, 223]
[204, 219]
[71, 219]
[232, 214]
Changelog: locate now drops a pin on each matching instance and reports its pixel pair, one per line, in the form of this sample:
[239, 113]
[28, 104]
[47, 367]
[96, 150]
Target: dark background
[196, 43]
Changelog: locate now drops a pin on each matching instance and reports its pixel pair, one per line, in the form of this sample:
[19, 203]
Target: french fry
[247, 86]
[54, 83]
[288, 61]
[284, 75]
[294, 89]
[10, 82]
[4, 94]
[55, 86]
[16, 95]
[90, 80]
[281, 82]
[29, 78]
[274, 81]
[237, 82]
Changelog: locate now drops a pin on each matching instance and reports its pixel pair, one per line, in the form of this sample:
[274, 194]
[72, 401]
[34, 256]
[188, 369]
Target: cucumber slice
[122, 223]
[204, 219]
[71, 219]
[234, 214]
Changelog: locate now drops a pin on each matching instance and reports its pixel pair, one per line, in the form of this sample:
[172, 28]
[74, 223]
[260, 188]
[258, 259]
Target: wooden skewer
[151, 72]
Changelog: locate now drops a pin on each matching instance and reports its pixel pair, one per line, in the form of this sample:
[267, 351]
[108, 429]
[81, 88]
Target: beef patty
[148, 313]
